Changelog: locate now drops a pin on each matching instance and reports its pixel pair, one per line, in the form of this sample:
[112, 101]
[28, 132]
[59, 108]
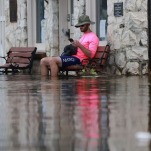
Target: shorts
[69, 60]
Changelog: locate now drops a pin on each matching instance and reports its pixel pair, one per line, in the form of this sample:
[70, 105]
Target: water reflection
[128, 113]
[99, 114]
[89, 113]
[56, 115]
[28, 119]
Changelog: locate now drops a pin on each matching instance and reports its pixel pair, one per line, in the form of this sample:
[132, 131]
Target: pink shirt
[89, 41]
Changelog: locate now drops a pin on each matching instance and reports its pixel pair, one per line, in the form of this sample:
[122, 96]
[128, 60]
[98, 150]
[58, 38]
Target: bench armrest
[3, 58]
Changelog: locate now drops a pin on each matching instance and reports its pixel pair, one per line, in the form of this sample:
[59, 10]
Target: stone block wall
[127, 36]
[79, 9]
[16, 32]
[52, 27]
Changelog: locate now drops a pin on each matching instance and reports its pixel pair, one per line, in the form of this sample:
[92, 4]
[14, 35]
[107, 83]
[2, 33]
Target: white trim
[102, 43]
[91, 12]
[31, 22]
[63, 24]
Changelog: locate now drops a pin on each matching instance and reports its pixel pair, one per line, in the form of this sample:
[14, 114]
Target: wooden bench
[98, 63]
[19, 58]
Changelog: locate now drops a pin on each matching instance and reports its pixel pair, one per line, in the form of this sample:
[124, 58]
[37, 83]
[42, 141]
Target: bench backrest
[23, 55]
[102, 54]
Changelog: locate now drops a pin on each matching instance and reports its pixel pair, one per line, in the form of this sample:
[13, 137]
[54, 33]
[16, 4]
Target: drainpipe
[149, 35]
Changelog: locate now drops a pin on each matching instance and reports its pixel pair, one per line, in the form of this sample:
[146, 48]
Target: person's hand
[86, 51]
[76, 43]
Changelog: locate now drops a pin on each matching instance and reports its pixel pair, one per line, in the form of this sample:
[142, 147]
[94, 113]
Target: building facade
[47, 24]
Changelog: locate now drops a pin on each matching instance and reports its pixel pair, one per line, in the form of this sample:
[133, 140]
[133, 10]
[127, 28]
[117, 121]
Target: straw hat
[84, 19]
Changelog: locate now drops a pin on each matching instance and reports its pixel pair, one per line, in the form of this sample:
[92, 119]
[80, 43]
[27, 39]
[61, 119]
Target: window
[13, 10]
[101, 14]
[40, 17]
[72, 12]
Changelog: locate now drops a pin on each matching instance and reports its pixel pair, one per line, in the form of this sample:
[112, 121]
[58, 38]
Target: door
[36, 23]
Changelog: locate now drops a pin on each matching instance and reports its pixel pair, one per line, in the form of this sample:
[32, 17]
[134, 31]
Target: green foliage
[89, 72]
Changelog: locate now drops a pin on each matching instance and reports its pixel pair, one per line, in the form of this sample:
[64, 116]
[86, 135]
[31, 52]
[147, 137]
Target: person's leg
[50, 62]
[55, 63]
[44, 63]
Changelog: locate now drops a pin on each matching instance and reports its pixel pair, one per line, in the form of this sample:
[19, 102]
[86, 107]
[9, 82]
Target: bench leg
[29, 71]
[6, 70]
[66, 73]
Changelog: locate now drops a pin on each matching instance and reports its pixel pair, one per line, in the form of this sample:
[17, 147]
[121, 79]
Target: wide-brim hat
[84, 19]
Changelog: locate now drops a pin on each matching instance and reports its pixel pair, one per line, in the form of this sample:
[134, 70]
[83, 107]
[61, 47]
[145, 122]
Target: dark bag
[69, 50]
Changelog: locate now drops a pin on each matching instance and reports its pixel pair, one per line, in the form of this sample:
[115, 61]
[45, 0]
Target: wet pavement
[76, 114]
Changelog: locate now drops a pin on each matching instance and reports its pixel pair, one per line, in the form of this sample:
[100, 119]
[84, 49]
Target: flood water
[76, 114]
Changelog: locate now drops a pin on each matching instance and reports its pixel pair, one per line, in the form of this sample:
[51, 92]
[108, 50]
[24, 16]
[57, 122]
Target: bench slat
[18, 54]
[22, 49]
[19, 58]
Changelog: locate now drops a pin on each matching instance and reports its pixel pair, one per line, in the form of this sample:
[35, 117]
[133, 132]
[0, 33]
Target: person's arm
[87, 52]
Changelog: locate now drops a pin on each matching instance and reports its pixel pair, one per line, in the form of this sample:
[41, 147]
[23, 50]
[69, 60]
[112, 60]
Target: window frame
[99, 16]
[92, 9]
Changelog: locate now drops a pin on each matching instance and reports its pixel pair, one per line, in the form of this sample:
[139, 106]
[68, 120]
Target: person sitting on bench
[86, 49]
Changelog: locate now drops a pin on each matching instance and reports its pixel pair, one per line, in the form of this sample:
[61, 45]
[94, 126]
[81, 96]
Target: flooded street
[75, 114]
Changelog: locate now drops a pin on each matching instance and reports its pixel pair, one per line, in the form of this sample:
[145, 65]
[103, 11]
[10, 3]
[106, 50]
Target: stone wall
[16, 32]
[128, 37]
[52, 27]
[52, 24]
[79, 9]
